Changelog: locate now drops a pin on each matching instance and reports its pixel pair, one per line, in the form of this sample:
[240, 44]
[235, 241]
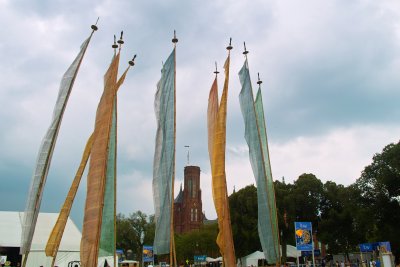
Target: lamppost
[141, 244]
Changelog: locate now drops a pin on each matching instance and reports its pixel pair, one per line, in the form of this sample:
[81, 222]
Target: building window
[191, 215]
[194, 190]
[190, 187]
[195, 214]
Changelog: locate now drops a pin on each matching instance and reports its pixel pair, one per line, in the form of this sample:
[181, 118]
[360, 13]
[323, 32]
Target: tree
[244, 218]
[379, 185]
[197, 242]
[339, 225]
[134, 231]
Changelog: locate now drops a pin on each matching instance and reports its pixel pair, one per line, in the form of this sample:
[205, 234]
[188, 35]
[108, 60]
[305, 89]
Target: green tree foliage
[339, 226]
[131, 230]
[243, 210]
[379, 185]
[198, 242]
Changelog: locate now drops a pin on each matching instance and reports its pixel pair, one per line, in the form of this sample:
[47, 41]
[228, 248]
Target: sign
[148, 255]
[303, 234]
[317, 252]
[369, 247]
[199, 258]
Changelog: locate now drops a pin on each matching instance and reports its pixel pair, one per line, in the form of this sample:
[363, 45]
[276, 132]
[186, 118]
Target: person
[341, 264]
[323, 263]
[337, 264]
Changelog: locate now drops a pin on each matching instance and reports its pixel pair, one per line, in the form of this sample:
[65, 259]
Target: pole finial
[121, 41]
[132, 62]
[188, 154]
[245, 50]
[216, 69]
[94, 26]
[229, 47]
[115, 46]
[259, 82]
[175, 40]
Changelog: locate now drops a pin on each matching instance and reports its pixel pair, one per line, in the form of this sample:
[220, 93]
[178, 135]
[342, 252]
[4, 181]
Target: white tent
[252, 259]
[10, 236]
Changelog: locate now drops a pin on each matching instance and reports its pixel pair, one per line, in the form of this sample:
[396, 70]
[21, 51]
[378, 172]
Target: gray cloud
[330, 72]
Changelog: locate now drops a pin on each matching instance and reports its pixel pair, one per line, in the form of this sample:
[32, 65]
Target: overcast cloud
[331, 88]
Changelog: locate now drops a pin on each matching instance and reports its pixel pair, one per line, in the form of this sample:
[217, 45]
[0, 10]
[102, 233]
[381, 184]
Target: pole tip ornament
[259, 82]
[245, 50]
[94, 26]
[229, 47]
[132, 62]
[216, 69]
[115, 46]
[120, 41]
[175, 40]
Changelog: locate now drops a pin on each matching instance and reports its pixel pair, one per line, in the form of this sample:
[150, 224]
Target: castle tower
[188, 210]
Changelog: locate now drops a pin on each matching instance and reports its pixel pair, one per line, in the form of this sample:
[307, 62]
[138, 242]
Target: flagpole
[263, 159]
[172, 258]
[47, 163]
[259, 82]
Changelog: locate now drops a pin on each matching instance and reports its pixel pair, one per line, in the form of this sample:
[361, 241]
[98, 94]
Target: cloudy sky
[331, 88]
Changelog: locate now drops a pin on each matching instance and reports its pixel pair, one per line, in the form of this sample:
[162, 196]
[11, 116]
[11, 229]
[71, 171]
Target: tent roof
[256, 255]
[11, 230]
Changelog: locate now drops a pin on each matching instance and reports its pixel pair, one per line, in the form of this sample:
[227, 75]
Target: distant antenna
[188, 154]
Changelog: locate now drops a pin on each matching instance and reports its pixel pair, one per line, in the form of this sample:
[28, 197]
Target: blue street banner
[303, 234]
[148, 255]
[317, 252]
[200, 258]
[369, 247]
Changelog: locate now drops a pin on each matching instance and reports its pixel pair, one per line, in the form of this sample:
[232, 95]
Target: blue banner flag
[148, 255]
[303, 234]
[200, 258]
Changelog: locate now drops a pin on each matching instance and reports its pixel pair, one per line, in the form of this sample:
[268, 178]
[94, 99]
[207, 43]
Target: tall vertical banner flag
[216, 119]
[255, 134]
[98, 231]
[303, 235]
[163, 165]
[46, 151]
[96, 179]
[54, 240]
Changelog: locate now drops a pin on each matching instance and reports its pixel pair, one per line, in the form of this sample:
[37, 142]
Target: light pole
[141, 243]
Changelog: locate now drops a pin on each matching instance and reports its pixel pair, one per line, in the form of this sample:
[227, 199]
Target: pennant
[96, 181]
[45, 153]
[257, 152]
[217, 136]
[164, 156]
[54, 240]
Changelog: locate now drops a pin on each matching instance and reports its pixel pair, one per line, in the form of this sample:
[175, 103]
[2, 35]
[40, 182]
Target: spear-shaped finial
[120, 41]
[115, 46]
[229, 47]
[132, 62]
[245, 50]
[259, 82]
[216, 69]
[94, 27]
[175, 40]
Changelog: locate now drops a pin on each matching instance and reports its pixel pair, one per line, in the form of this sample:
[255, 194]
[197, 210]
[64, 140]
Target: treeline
[343, 217]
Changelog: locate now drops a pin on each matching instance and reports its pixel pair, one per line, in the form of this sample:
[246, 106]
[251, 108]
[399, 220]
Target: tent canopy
[11, 229]
[252, 259]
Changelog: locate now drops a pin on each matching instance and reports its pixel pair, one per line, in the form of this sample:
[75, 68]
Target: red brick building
[188, 207]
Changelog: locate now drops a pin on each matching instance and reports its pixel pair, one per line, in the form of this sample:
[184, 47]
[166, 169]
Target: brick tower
[188, 207]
